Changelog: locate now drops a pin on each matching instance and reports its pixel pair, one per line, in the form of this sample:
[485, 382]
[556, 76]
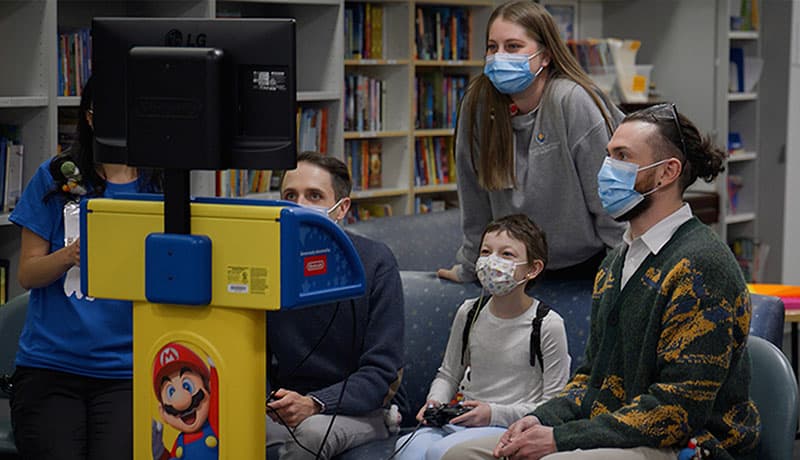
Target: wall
[772, 89]
[791, 242]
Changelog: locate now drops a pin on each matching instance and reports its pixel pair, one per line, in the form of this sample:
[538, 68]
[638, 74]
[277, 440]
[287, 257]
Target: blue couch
[431, 304]
[423, 243]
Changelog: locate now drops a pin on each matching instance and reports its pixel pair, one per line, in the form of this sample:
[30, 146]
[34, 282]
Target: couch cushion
[767, 319]
[418, 241]
[572, 299]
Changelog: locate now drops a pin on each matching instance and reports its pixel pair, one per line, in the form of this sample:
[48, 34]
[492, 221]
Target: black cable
[347, 377]
[291, 432]
[402, 446]
[293, 371]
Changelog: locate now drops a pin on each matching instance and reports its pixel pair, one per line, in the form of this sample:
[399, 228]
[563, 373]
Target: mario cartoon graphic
[187, 394]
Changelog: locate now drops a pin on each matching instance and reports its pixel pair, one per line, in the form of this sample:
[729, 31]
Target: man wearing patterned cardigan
[666, 359]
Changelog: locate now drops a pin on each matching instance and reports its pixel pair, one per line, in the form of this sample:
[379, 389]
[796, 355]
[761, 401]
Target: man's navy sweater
[372, 353]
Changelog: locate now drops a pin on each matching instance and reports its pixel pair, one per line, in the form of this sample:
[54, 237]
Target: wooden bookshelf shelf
[350, 135]
[740, 218]
[23, 101]
[69, 101]
[433, 132]
[457, 63]
[436, 188]
[378, 193]
[743, 35]
[740, 97]
[375, 62]
[745, 156]
[311, 96]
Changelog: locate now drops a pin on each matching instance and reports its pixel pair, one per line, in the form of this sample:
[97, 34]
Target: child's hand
[421, 413]
[72, 252]
[480, 415]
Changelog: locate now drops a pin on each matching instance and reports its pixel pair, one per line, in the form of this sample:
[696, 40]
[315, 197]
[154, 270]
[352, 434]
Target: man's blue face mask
[616, 183]
[510, 73]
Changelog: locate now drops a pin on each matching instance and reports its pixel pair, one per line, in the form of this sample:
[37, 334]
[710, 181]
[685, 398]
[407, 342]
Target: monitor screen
[248, 102]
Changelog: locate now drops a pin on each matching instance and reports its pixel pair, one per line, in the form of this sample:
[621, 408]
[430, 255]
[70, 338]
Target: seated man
[666, 359]
[343, 358]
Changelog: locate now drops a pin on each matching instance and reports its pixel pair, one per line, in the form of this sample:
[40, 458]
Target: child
[74, 368]
[507, 352]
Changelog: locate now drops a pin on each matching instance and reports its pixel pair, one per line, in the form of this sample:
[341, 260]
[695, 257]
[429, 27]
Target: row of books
[434, 161]
[442, 33]
[437, 97]
[242, 182]
[366, 211]
[593, 55]
[74, 61]
[363, 159]
[752, 257]
[363, 102]
[11, 154]
[428, 204]
[312, 129]
[363, 31]
[734, 184]
[747, 15]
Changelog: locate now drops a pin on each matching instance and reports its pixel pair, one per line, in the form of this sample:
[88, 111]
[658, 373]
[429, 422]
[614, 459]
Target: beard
[637, 210]
[642, 206]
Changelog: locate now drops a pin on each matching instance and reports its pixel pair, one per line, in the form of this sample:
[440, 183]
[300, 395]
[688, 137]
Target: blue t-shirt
[85, 337]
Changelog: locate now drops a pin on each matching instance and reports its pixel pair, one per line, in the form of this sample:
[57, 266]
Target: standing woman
[530, 139]
[72, 394]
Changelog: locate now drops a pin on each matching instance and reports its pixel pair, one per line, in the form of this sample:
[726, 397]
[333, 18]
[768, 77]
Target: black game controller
[441, 415]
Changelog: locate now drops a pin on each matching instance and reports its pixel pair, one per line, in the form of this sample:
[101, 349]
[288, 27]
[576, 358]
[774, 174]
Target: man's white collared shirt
[652, 241]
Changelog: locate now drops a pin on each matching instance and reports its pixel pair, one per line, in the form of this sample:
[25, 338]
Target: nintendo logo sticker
[315, 265]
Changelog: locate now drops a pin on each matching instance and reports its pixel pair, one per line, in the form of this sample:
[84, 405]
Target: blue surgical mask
[510, 73]
[616, 183]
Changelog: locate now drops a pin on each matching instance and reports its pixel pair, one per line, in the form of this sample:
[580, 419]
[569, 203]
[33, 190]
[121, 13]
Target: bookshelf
[30, 96]
[408, 70]
[704, 93]
[742, 169]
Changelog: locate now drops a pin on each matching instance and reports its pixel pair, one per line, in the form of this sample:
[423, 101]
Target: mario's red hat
[171, 358]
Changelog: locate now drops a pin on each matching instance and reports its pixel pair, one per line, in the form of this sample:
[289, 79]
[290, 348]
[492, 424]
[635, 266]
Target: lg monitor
[195, 93]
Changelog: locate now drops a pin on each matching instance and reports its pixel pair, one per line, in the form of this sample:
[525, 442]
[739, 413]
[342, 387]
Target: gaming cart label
[246, 280]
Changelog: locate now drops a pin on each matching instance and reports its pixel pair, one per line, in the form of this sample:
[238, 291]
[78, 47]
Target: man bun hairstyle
[680, 138]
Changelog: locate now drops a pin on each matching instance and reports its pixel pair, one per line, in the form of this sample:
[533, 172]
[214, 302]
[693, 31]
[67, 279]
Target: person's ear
[671, 172]
[546, 59]
[341, 211]
[536, 269]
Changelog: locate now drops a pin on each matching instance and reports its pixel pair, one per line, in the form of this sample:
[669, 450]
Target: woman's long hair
[82, 154]
[488, 108]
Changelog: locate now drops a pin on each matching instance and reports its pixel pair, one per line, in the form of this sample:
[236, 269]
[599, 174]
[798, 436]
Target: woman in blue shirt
[73, 381]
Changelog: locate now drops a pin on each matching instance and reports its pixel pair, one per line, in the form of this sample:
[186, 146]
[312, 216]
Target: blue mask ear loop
[644, 168]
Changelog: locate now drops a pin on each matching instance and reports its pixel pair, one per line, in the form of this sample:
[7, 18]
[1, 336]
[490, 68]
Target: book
[736, 76]
[375, 173]
[13, 186]
[4, 274]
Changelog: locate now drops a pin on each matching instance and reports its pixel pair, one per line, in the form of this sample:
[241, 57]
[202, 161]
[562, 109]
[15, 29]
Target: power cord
[271, 395]
[344, 382]
[405, 443]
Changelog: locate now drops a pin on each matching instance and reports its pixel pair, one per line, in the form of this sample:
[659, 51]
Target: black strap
[536, 330]
[473, 312]
[536, 334]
